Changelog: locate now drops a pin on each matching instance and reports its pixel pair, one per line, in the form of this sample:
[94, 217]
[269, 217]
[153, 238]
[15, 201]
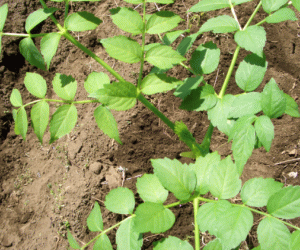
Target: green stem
[33, 102]
[234, 14]
[253, 15]
[197, 234]
[24, 35]
[62, 101]
[189, 69]
[66, 9]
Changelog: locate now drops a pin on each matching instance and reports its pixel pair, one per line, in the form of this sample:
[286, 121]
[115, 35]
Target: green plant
[234, 115]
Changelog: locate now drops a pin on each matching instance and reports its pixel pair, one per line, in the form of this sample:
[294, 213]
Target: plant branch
[25, 35]
[66, 9]
[253, 15]
[197, 238]
[234, 14]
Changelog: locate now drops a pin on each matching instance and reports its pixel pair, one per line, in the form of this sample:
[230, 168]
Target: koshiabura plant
[245, 118]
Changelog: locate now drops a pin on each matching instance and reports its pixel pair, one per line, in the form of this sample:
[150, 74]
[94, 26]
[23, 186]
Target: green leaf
[31, 53]
[186, 43]
[171, 36]
[118, 95]
[160, 1]
[184, 134]
[205, 58]
[253, 38]
[282, 15]
[291, 108]
[35, 84]
[220, 24]
[82, 21]
[264, 129]
[64, 86]
[127, 237]
[107, 123]
[94, 221]
[208, 5]
[296, 4]
[134, 1]
[224, 181]
[162, 21]
[257, 191]
[40, 118]
[236, 2]
[200, 99]
[240, 124]
[273, 101]
[214, 245]
[22, 122]
[95, 81]
[37, 17]
[285, 204]
[150, 46]
[103, 242]
[16, 98]
[150, 189]
[120, 200]
[127, 19]
[272, 5]
[273, 234]
[163, 57]
[158, 83]
[14, 113]
[73, 243]
[123, 48]
[203, 167]
[153, 217]
[172, 243]
[62, 121]
[246, 104]
[188, 85]
[251, 72]
[49, 44]
[3, 15]
[175, 177]
[295, 240]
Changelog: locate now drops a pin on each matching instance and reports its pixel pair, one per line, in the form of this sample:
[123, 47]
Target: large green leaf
[62, 121]
[73, 243]
[253, 38]
[188, 85]
[118, 95]
[64, 86]
[49, 44]
[273, 101]
[296, 4]
[127, 19]
[285, 204]
[201, 98]
[171, 36]
[107, 123]
[162, 21]
[35, 84]
[31, 53]
[220, 24]
[127, 237]
[272, 5]
[40, 118]
[22, 123]
[224, 181]
[264, 129]
[186, 43]
[205, 59]
[295, 240]
[291, 108]
[120, 200]
[150, 189]
[3, 15]
[282, 15]
[16, 98]
[172, 243]
[208, 5]
[163, 57]
[175, 177]
[37, 17]
[153, 217]
[273, 234]
[251, 72]
[257, 191]
[123, 48]
[158, 83]
[95, 81]
[103, 242]
[82, 21]
[214, 245]
[94, 220]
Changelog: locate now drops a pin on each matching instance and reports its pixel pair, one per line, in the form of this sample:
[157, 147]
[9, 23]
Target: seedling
[245, 118]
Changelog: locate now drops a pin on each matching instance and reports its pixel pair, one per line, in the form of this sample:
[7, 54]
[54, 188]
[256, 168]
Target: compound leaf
[64, 86]
[103, 242]
[107, 123]
[123, 48]
[208, 5]
[16, 98]
[73, 243]
[257, 191]
[35, 84]
[253, 38]
[162, 21]
[285, 204]
[22, 123]
[272, 5]
[3, 15]
[95, 81]
[264, 129]
[188, 85]
[62, 121]
[40, 118]
[94, 220]
[82, 21]
[127, 19]
[295, 240]
[172, 243]
[282, 15]
[49, 44]
[150, 189]
[220, 24]
[120, 200]
[153, 217]
[37, 17]
[291, 108]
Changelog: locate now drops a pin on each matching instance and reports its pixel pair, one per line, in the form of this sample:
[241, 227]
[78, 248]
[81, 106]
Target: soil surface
[45, 189]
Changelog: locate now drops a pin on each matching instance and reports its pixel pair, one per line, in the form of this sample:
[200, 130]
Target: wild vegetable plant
[245, 118]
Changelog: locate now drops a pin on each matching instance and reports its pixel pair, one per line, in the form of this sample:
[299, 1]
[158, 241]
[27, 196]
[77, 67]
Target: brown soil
[45, 188]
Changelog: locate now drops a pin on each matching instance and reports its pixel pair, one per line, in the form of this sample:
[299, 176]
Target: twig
[288, 161]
